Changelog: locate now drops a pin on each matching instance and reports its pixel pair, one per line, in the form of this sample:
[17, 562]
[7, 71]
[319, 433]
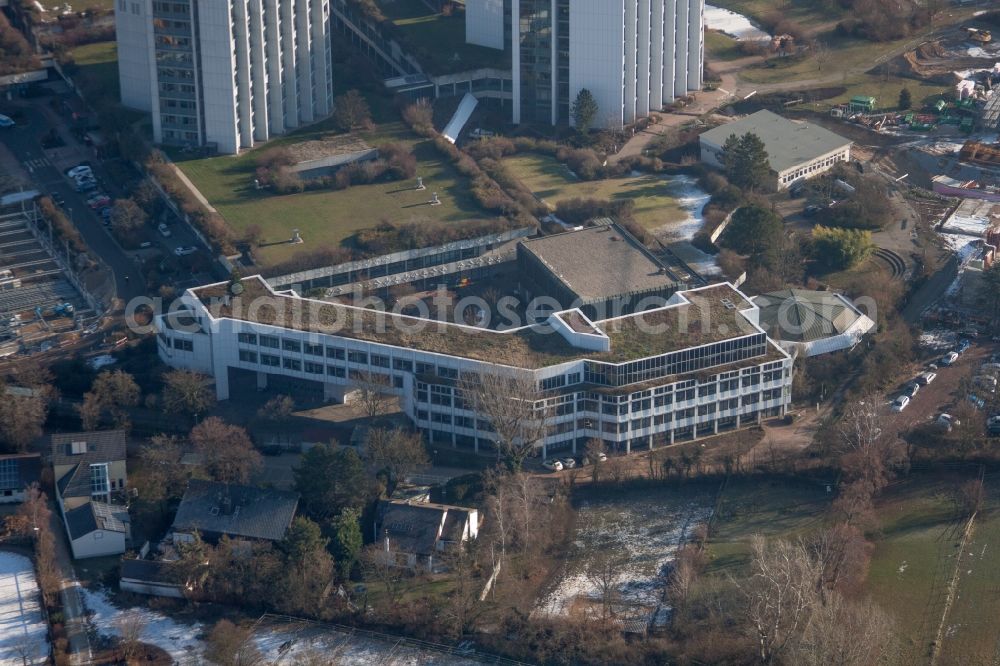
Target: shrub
[274, 158]
[584, 162]
[420, 117]
[286, 181]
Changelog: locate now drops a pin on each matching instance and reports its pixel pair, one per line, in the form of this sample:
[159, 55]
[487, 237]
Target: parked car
[810, 211]
[993, 425]
[963, 346]
[86, 186]
[5, 121]
[552, 465]
[949, 358]
[80, 170]
[99, 201]
[926, 378]
[164, 230]
[946, 422]
[568, 462]
[900, 403]
[145, 244]
[185, 250]
[911, 389]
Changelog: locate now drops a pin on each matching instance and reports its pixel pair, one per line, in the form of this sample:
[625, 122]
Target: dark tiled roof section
[102, 446]
[411, 528]
[93, 516]
[214, 509]
[149, 571]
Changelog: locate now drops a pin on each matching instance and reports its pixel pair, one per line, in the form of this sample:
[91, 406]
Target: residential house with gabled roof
[214, 510]
[90, 476]
[414, 534]
[88, 465]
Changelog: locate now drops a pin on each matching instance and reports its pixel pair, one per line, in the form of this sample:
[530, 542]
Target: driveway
[74, 612]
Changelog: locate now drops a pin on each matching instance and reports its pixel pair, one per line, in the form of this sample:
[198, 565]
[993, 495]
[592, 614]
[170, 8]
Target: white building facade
[225, 74]
[720, 377]
[634, 56]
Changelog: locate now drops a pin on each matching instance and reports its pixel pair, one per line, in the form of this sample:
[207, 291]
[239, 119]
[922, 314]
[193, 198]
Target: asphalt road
[24, 141]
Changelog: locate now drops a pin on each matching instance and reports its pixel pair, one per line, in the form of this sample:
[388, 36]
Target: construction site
[49, 297]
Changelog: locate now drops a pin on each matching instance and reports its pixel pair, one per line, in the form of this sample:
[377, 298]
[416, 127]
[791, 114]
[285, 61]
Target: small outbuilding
[17, 472]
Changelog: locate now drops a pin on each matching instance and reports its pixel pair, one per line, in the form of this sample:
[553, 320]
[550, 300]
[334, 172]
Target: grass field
[97, 70]
[327, 217]
[771, 508]
[657, 198]
[720, 47]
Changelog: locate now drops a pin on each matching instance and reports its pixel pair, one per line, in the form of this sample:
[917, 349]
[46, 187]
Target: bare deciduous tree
[21, 420]
[130, 626]
[845, 633]
[506, 398]
[187, 392]
[229, 454]
[602, 572]
[780, 594]
[232, 645]
[372, 389]
[395, 451]
[972, 494]
[378, 562]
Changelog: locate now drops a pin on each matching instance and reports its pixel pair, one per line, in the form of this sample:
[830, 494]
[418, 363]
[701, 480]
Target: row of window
[177, 343]
[315, 368]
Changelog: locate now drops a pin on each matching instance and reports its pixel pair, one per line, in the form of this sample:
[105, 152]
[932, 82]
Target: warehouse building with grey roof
[796, 150]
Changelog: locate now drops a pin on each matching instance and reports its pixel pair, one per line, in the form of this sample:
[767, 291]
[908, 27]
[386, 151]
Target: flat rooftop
[788, 142]
[599, 263]
[437, 40]
[713, 314]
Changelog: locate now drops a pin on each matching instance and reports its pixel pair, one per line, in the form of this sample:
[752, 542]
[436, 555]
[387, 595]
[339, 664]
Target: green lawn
[914, 558]
[97, 70]
[806, 12]
[720, 47]
[327, 217]
[780, 508]
[552, 182]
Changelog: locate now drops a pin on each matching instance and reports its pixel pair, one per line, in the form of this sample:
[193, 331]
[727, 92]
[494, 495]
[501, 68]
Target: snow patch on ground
[642, 534]
[22, 625]
[180, 640]
[938, 339]
[692, 199]
[285, 644]
[291, 644]
[735, 25]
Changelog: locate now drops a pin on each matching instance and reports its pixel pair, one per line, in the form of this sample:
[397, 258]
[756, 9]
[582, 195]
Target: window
[335, 352]
[401, 364]
[448, 373]
[290, 345]
[9, 475]
[270, 360]
[313, 350]
[183, 345]
[99, 483]
[380, 361]
[248, 356]
[357, 357]
[314, 368]
[270, 341]
[336, 371]
[425, 368]
[247, 338]
[553, 382]
[291, 364]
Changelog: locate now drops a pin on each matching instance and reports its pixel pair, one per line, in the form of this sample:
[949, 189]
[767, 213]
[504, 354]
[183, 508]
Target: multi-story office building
[634, 56]
[696, 366]
[225, 74]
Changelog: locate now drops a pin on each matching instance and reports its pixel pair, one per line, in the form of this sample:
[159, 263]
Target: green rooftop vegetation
[708, 319]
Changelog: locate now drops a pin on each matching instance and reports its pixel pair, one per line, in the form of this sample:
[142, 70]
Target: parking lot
[943, 394]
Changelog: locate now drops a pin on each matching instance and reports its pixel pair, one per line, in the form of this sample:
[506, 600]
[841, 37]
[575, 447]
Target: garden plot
[639, 533]
[23, 633]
